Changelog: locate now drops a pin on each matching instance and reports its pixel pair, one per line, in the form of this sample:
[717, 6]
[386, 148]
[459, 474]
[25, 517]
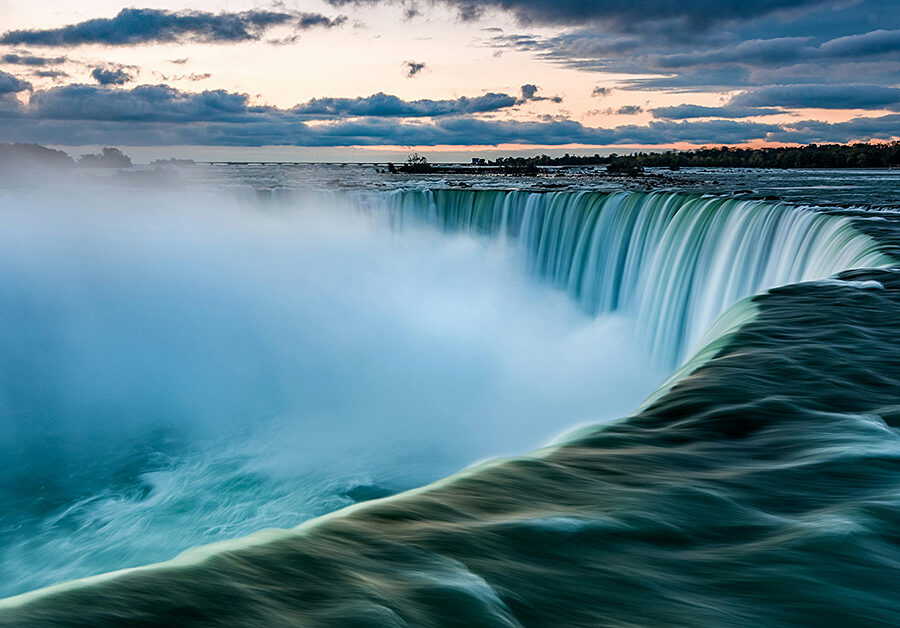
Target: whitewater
[192, 366]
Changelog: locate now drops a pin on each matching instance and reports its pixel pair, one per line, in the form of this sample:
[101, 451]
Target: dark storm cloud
[31, 60]
[387, 105]
[686, 112]
[137, 26]
[112, 75]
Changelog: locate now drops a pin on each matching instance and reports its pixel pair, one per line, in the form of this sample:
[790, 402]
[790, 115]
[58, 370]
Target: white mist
[181, 367]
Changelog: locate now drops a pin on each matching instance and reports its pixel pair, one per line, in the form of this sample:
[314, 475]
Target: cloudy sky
[363, 78]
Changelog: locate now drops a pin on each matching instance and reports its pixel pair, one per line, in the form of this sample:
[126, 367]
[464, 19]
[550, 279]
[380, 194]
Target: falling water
[673, 262]
[517, 538]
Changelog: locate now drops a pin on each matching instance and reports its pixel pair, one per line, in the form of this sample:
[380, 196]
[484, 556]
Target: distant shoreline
[818, 156]
[885, 155]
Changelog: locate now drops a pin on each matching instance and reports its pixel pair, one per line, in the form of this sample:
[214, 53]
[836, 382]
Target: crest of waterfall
[673, 262]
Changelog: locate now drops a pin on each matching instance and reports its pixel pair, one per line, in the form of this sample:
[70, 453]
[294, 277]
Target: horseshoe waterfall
[438, 405]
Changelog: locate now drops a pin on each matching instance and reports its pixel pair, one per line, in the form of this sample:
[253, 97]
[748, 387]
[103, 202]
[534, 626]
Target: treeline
[860, 155]
[811, 156]
[33, 154]
[20, 155]
[547, 160]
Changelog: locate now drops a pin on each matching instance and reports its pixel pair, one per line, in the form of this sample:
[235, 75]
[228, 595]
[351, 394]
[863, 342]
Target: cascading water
[613, 525]
[673, 262]
[180, 367]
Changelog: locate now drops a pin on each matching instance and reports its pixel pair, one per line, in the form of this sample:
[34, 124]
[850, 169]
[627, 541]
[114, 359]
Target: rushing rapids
[758, 487]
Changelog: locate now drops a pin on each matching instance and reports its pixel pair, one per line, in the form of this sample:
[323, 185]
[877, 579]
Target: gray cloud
[456, 131]
[194, 76]
[624, 15]
[31, 60]
[822, 97]
[9, 84]
[822, 42]
[138, 26]
[161, 115]
[112, 75]
[144, 103]
[386, 105]
[413, 68]
[686, 112]
[162, 103]
[53, 74]
[529, 94]
[709, 58]
[830, 54]
[872, 44]
[629, 110]
[780, 51]
[859, 129]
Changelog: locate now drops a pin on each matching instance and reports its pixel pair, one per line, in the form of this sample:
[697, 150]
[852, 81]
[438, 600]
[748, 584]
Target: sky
[367, 79]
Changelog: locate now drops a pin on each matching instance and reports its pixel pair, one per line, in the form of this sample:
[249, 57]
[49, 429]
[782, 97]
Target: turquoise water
[441, 327]
[175, 377]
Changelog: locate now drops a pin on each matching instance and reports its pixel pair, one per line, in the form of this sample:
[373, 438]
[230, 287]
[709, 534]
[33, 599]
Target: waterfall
[673, 262]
